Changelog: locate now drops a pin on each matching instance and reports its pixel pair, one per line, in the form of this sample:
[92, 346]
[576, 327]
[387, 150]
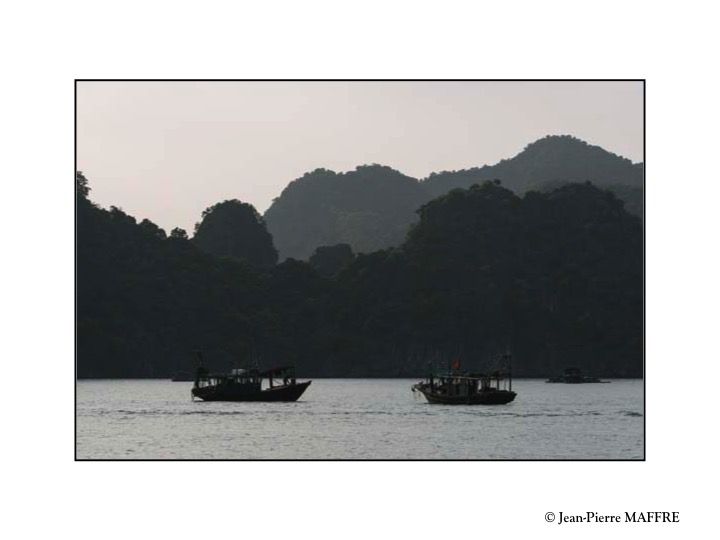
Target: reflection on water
[360, 419]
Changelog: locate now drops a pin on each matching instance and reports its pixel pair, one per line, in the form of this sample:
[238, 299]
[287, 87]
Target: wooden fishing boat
[247, 385]
[456, 388]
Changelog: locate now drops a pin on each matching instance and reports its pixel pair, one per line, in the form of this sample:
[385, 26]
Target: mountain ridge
[374, 206]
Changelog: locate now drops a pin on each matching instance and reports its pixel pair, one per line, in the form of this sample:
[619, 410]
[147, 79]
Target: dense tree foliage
[144, 302]
[82, 188]
[328, 261]
[369, 208]
[554, 276]
[632, 196]
[235, 229]
[179, 234]
[373, 207]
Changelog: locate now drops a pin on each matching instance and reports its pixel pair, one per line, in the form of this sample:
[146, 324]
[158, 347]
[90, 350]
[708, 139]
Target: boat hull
[495, 397]
[291, 392]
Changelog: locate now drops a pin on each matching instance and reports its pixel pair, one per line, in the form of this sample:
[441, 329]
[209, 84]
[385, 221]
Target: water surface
[359, 419]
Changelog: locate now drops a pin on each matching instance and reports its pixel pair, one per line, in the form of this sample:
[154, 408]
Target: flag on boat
[456, 364]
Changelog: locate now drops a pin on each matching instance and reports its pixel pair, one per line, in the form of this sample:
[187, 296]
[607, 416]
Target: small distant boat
[247, 385]
[457, 388]
[574, 376]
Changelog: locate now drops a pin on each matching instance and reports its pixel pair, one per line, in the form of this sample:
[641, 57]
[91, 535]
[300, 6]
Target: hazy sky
[167, 150]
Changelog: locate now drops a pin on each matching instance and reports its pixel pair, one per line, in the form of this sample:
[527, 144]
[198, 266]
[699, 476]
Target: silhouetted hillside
[145, 301]
[373, 207]
[235, 229]
[556, 277]
[631, 196]
[369, 208]
[556, 159]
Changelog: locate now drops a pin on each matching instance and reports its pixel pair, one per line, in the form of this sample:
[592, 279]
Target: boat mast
[510, 374]
[508, 357]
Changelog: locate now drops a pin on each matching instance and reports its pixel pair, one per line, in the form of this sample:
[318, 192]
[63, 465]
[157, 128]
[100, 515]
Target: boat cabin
[457, 385]
[284, 373]
[249, 378]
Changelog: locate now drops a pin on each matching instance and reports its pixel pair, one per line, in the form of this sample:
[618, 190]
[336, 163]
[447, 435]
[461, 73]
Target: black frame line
[644, 215]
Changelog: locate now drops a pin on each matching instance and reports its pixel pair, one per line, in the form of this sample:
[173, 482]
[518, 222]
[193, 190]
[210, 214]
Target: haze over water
[359, 419]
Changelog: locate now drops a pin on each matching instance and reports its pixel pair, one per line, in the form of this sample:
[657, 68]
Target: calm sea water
[360, 419]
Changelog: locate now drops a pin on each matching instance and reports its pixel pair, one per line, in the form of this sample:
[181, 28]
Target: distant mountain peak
[567, 143]
[553, 158]
[372, 206]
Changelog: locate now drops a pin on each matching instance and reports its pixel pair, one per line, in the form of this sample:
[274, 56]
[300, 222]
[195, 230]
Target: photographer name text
[626, 517]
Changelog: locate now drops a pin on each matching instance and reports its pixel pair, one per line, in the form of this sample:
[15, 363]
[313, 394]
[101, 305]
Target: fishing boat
[458, 388]
[247, 385]
[574, 376]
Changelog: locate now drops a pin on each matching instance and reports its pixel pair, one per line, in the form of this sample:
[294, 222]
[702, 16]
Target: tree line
[555, 276]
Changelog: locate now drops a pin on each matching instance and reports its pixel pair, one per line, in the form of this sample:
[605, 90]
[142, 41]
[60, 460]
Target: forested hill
[552, 160]
[373, 207]
[556, 277]
[369, 208]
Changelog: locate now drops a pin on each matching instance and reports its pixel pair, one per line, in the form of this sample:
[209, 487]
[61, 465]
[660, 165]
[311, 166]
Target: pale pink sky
[167, 150]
